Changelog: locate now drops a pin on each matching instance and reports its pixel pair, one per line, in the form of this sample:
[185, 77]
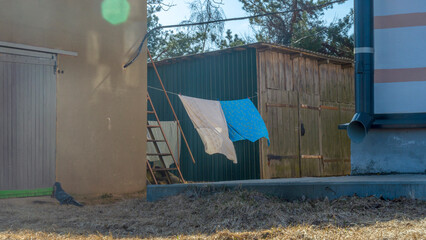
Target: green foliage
[230, 40]
[301, 26]
[205, 11]
[157, 40]
[180, 44]
[197, 39]
[338, 42]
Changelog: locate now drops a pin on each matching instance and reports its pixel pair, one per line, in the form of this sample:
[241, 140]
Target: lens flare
[115, 11]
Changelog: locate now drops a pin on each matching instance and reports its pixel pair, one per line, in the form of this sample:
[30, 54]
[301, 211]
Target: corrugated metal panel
[227, 76]
[27, 122]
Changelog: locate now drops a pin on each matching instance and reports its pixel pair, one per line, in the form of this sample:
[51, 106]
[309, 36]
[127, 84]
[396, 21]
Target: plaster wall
[101, 108]
[390, 151]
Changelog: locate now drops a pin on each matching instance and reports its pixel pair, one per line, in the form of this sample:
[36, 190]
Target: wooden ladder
[158, 153]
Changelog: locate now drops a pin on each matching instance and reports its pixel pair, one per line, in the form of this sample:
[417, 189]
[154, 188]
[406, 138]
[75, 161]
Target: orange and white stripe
[400, 56]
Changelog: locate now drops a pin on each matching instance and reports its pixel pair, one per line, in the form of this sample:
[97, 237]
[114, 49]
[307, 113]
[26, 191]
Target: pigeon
[62, 196]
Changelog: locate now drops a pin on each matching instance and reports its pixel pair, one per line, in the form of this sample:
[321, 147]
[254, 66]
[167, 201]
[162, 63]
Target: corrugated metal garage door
[27, 120]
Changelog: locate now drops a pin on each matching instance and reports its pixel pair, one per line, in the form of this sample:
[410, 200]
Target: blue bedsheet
[244, 121]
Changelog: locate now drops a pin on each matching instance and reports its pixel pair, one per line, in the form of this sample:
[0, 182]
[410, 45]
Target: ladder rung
[154, 140]
[150, 112]
[163, 169]
[158, 154]
[153, 126]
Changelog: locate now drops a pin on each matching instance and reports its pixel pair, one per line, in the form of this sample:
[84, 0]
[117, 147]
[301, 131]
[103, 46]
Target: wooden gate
[306, 75]
[302, 100]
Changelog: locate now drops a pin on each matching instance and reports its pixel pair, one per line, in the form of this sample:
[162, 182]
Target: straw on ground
[222, 215]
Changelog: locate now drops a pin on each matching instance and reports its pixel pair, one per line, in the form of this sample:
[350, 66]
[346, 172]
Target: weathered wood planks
[301, 91]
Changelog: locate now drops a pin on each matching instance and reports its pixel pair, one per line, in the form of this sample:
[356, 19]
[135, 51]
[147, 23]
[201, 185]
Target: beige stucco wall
[101, 108]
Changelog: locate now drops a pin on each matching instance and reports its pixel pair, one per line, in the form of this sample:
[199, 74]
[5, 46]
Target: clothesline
[219, 123]
[177, 94]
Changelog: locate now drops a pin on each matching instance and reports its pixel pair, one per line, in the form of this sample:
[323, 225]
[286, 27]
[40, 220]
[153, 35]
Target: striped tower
[400, 56]
[397, 111]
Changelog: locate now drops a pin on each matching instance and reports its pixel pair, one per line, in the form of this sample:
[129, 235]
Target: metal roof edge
[36, 49]
[259, 46]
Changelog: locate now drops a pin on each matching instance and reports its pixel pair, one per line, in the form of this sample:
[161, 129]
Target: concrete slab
[388, 186]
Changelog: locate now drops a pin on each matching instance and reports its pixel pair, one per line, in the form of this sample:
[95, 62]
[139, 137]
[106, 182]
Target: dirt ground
[223, 215]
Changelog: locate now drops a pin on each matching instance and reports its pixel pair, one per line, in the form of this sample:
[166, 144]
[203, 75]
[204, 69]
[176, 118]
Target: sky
[233, 8]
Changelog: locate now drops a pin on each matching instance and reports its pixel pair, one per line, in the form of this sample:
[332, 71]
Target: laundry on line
[219, 123]
[210, 123]
[244, 121]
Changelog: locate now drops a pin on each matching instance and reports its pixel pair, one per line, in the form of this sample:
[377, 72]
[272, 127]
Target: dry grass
[222, 215]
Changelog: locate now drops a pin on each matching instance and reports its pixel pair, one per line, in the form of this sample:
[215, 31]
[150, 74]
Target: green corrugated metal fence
[226, 76]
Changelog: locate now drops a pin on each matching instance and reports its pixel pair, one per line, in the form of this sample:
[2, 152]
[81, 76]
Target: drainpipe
[364, 71]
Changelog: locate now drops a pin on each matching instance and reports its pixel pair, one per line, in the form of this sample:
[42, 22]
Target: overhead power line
[138, 52]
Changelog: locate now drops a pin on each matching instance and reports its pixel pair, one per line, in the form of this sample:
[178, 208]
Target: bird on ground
[63, 197]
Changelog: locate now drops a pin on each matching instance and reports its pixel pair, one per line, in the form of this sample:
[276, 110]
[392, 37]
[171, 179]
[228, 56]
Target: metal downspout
[364, 71]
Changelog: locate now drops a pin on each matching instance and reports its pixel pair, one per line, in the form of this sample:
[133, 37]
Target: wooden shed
[302, 96]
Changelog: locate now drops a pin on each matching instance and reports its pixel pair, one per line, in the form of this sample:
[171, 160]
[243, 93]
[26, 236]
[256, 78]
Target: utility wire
[220, 20]
[159, 89]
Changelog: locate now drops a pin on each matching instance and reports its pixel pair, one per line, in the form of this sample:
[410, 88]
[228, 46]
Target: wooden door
[282, 156]
[302, 101]
[309, 121]
[278, 106]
